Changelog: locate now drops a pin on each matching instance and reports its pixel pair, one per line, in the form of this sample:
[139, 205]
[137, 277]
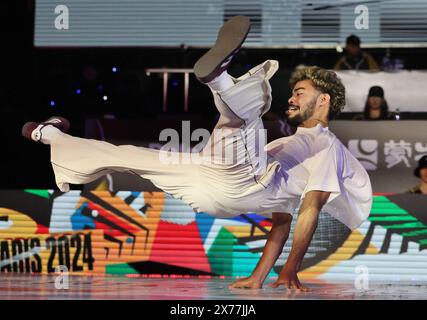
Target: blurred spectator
[420, 172]
[376, 107]
[389, 63]
[354, 58]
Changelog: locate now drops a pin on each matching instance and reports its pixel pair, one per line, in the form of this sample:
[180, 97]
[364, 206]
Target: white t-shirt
[314, 159]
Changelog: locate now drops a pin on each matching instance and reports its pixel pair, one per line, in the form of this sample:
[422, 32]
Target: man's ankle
[222, 82]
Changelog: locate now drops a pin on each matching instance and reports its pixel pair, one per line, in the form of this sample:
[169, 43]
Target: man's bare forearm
[304, 230]
[272, 250]
[303, 233]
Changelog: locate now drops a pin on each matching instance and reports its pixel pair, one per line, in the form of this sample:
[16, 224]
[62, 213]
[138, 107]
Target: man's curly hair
[325, 81]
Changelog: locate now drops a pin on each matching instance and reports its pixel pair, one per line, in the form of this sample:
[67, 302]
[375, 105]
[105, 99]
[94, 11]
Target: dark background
[33, 77]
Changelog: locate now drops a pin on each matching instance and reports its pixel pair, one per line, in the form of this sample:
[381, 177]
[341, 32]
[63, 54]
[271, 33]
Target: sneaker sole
[230, 38]
[28, 128]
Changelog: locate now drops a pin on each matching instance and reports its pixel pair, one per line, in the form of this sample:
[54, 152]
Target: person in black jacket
[376, 107]
[421, 173]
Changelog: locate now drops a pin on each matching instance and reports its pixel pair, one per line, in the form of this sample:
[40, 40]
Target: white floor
[35, 287]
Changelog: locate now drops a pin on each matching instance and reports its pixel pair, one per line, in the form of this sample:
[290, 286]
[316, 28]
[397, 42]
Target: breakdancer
[310, 169]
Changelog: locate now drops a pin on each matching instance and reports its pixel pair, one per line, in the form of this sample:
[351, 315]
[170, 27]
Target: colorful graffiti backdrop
[152, 233]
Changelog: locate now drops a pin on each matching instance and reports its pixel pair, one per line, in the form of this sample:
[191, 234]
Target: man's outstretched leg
[79, 161]
[241, 103]
[210, 188]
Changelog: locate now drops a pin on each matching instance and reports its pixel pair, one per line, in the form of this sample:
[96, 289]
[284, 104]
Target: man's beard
[301, 117]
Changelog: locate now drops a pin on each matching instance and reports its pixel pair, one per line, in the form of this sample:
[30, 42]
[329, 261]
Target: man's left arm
[304, 229]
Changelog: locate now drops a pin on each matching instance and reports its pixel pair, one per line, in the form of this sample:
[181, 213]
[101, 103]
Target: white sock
[222, 82]
[47, 133]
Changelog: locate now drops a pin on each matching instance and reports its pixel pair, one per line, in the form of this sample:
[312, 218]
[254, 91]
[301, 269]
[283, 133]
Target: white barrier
[404, 90]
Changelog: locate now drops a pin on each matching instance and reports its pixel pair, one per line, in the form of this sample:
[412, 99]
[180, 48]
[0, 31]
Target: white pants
[217, 188]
